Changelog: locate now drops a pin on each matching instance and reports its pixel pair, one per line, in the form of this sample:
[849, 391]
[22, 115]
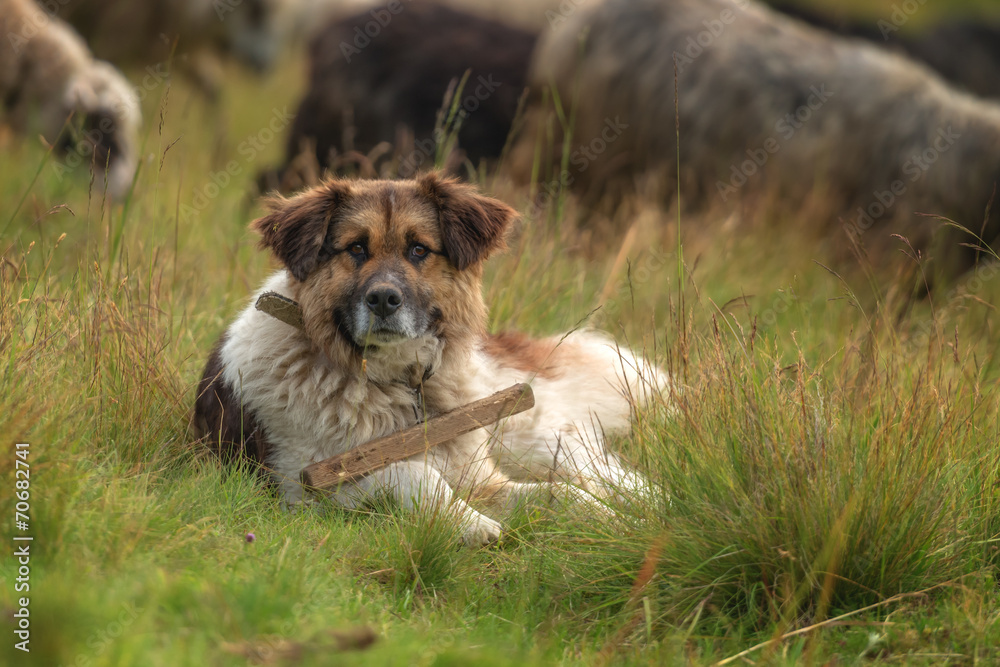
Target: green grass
[829, 452]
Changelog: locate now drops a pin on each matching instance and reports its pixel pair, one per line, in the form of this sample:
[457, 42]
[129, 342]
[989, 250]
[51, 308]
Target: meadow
[828, 470]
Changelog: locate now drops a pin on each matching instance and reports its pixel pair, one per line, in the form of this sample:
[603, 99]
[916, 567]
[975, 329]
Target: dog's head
[380, 263]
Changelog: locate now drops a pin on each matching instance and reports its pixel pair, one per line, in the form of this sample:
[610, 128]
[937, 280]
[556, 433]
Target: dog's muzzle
[384, 315]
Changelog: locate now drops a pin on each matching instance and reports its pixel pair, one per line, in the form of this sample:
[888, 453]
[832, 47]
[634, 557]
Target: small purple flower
[250, 537]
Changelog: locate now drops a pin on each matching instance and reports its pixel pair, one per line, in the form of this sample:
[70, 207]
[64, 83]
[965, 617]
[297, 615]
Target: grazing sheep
[381, 76]
[187, 34]
[766, 105]
[834, 22]
[966, 52]
[47, 74]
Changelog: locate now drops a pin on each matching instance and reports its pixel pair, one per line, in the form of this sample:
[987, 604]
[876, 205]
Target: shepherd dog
[389, 275]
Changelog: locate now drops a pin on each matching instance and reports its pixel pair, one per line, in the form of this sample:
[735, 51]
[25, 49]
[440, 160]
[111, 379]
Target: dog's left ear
[297, 230]
[472, 225]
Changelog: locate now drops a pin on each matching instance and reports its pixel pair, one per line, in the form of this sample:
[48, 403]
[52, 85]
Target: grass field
[832, 462]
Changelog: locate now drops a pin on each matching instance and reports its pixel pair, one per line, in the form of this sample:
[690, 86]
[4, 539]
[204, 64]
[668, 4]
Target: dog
[387, 86]
[771, 111]
[47, 73]
[388, 275]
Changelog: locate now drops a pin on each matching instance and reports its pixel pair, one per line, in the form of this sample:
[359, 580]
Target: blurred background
[805, 237]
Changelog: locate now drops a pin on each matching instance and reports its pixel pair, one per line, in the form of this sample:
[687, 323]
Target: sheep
[189, 36]
[766, 105]
[964, 51]
[47, 74]
[382, 75]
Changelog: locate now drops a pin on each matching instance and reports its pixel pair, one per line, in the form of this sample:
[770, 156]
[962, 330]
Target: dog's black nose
[384, 301]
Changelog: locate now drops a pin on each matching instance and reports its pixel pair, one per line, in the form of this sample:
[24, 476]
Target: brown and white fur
[388, 274]
[47, 73]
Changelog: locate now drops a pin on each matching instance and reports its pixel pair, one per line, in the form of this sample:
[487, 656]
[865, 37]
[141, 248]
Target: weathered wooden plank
[419, 438]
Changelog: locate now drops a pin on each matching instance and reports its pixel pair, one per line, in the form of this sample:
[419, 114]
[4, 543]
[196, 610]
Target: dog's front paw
[480, 531]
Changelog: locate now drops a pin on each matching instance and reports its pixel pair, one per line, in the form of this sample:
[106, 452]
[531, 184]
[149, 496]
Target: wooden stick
[419, 438]
[281, 307]
[410, 441]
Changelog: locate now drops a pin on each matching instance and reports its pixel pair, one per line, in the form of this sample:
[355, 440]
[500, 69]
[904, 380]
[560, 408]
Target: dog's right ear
[297, 229]
[472, 224]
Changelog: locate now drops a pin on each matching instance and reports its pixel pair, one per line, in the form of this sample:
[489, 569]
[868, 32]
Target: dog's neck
[417, 364]
[410, 362]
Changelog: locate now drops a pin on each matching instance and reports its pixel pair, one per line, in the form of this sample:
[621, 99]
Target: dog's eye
[418, 251]
[356, 249]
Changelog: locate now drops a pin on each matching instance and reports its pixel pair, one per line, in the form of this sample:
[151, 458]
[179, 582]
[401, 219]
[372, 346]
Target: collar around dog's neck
[281, 308]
